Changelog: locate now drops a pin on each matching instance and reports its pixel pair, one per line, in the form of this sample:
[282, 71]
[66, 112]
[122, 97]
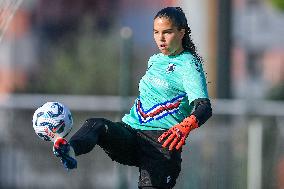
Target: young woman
[173, 101]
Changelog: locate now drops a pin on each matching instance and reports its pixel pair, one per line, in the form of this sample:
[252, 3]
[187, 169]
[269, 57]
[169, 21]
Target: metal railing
[239, 147]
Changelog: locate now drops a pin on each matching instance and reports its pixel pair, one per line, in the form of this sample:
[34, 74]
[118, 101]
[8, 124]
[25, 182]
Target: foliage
[87, 64]
[277, 92]
[279, 4]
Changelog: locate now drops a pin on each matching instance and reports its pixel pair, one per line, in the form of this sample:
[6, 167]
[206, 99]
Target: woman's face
[167, 36]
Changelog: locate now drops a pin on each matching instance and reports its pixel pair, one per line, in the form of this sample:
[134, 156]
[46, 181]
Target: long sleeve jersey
[167, 91]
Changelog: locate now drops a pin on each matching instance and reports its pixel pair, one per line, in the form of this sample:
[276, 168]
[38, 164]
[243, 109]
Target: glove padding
[65, 152]
[177, 134]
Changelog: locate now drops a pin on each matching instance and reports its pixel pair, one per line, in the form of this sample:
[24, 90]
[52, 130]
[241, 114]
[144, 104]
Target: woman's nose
[161, 37]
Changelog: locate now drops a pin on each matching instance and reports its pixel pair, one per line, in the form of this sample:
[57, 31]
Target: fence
[239, 147]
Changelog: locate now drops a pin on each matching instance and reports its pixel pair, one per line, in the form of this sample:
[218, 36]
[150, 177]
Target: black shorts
[158, 166]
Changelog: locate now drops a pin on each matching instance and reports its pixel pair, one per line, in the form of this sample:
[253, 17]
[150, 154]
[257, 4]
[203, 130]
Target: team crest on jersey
[171, 67]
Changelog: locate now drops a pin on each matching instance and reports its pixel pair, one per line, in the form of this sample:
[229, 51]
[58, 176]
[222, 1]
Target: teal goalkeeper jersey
[167, 92]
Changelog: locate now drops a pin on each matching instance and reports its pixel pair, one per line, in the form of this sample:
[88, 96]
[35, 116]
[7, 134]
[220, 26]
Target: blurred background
[90, 55]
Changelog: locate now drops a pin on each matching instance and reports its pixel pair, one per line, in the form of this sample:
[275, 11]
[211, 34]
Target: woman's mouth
[163, 46]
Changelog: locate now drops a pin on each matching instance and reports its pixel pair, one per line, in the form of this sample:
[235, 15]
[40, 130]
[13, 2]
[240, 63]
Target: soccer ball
[52, 120]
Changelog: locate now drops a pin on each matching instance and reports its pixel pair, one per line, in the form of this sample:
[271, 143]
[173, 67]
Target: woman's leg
[116, 138]
[159, 168]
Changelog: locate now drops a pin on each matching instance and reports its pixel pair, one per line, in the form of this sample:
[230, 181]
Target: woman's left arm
[202, 111]
[195, 85]
[176, 135]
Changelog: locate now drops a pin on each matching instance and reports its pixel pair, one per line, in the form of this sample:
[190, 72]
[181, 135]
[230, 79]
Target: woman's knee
[88, 135]
[95, 125]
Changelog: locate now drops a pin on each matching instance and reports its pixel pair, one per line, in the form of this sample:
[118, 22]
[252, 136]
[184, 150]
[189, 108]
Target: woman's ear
[182, 33]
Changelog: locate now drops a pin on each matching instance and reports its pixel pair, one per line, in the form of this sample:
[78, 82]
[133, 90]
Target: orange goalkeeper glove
[177, 134]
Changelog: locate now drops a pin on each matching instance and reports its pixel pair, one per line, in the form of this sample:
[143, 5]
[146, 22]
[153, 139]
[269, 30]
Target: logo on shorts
[168, 179]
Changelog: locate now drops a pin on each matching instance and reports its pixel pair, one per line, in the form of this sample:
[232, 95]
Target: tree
[279, 4]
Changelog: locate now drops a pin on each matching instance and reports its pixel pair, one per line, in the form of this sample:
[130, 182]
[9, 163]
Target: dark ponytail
[178, 18]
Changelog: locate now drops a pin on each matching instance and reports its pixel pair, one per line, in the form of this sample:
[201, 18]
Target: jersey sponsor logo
[157, 81]
[171, 67]
[158, 111]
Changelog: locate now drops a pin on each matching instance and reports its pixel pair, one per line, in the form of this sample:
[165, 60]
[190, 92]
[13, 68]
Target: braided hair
[178, 18]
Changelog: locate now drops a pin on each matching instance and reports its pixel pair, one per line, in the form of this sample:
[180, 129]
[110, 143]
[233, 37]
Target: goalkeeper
[173, 100]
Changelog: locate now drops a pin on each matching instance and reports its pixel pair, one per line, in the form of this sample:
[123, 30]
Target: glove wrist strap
[190, 122]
